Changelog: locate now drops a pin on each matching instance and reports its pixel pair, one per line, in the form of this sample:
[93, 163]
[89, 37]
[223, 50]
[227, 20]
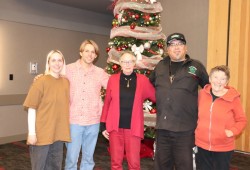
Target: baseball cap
[176, 36]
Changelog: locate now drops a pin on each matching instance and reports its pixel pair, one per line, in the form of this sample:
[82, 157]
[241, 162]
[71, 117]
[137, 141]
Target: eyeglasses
[129, 62]
[179, 44]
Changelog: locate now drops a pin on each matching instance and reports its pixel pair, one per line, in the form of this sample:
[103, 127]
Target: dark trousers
[209, 160]
[47, 157]
[174, 150]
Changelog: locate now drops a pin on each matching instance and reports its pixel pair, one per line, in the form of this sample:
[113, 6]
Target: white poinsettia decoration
[151, 1]
[147, 105]
[137, 51]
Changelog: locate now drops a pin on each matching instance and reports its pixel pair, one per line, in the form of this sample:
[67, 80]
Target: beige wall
[26, 37]
[22, 43]
[189, 17]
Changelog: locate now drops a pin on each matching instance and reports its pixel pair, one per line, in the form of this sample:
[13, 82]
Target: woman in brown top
[48, 115]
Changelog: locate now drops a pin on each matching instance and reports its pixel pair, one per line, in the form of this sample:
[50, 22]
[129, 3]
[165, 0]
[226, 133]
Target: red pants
[123, 141]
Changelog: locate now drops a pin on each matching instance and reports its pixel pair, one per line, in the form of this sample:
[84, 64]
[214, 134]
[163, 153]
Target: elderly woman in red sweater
[123, 113]
[220, 119]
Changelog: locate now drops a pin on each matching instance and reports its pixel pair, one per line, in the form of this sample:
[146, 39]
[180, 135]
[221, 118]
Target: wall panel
[238, 60]
[217, 33]
[228, 44]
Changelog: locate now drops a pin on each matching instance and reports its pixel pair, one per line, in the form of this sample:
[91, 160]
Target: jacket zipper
[210, 126]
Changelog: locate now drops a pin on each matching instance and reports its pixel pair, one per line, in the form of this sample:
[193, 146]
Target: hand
[31, 140]
[37, 77]
[229, 133]
[105, 134]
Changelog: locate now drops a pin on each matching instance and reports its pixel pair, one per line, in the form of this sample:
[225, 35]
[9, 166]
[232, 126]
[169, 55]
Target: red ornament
[119, 49]
[116, 16]
[146, 17]
[137, 16]
[160, 45]
[153, 111]
[108, 49]
[132, 26]
[114, 67]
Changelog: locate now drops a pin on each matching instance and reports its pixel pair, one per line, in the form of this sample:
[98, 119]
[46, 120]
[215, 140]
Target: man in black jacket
[176, 79]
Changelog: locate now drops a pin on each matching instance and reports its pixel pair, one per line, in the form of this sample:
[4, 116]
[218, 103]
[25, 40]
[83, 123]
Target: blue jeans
[84, 137]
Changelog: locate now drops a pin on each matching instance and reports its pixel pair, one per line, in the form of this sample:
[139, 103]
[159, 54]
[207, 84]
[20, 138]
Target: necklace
[128, 80]
[171, 78]
[171, 75]
[173, 69]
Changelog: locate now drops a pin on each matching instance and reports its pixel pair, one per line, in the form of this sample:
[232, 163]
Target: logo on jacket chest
[192, 70]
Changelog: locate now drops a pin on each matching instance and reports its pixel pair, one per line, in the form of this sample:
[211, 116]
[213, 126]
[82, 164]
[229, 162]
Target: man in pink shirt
[86, 81]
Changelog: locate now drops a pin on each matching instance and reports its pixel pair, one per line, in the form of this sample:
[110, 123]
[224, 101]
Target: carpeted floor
[15, 156]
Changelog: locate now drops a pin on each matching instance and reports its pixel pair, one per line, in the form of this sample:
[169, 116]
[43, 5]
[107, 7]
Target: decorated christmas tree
[136, 27]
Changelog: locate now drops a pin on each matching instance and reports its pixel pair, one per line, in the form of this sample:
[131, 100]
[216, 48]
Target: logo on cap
[176, 36]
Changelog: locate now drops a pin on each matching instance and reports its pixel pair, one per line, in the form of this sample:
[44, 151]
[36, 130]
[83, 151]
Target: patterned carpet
[15, 156]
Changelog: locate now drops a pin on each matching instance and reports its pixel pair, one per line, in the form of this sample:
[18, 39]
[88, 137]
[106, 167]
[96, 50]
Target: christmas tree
[136, 27]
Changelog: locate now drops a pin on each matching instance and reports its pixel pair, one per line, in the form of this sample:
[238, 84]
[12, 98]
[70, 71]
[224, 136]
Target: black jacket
[176, 103]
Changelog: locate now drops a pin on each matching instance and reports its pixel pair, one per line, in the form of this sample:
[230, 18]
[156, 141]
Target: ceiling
[100, 6]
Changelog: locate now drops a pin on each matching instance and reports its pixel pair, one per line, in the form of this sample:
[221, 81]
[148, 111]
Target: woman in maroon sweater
[123, 113]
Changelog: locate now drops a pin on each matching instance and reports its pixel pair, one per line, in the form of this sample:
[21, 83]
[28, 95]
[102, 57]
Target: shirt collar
[79, 66]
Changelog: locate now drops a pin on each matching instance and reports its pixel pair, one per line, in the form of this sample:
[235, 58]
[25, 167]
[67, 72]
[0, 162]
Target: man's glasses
[129, 62]
[179, 44]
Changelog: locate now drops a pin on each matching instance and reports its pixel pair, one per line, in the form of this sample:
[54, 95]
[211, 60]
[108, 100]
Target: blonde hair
[47, 69]
[91, 42]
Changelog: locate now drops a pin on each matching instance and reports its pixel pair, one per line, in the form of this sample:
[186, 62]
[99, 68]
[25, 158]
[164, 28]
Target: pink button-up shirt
[85, 97]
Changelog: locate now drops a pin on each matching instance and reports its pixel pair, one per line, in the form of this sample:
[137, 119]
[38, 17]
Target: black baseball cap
[176, 36]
